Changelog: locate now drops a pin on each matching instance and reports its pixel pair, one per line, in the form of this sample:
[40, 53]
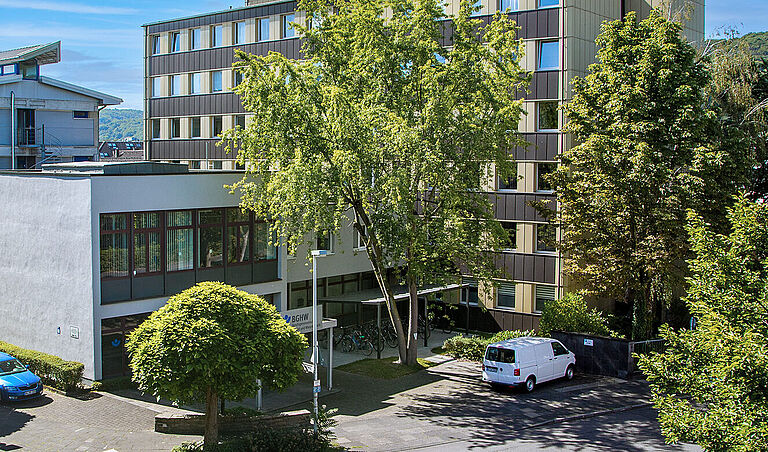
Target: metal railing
[641, 348]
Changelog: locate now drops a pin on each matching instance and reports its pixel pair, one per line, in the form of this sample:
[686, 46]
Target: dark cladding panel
[542, 146]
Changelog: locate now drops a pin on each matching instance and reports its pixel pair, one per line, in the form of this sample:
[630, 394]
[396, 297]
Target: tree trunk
[211, 437]
[413, 321]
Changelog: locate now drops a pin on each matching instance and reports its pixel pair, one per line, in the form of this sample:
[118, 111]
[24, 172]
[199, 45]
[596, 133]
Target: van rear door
[544, 362]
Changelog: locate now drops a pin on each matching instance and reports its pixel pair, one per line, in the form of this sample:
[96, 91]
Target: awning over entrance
[375, 296]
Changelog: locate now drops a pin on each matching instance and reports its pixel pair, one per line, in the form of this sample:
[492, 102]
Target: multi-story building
[48, 120]
[189, 100]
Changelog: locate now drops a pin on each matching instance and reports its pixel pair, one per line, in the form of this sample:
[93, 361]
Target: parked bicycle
[355, 340]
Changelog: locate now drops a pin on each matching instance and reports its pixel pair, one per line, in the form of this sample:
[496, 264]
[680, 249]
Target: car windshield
[500, 355]
[11, 366]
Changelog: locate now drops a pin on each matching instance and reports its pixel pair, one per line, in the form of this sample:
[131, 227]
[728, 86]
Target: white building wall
[46, 266]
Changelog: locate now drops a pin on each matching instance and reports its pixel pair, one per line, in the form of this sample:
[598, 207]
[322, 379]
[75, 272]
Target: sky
[102, 43]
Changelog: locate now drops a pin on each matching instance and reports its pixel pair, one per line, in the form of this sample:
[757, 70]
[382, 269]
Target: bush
[114, 384]
[572, 314]
[473, 348]
[52, 370]
[268, 439]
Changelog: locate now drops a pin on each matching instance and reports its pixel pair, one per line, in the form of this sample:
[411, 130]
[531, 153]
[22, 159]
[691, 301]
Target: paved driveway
[105, 422]
[447, 407]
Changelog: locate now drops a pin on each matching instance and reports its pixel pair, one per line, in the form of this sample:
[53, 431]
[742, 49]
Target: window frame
[222, 235]
[286, 27]
[172, 81]
[174, 42]
[540, 54]
[213, 126]
[260, 29]
[128, 240]
[540, 6]
[135, 231]
[331, 241]
[216, 37]
[539, 174]
[156, 87]
[513, 239]
[76, 116]
[539, 242]
[500, 182]
[154, 43]
[192, 120]
[176, 129]
[195, 33]
[199, 78]
[193, 227]
[237, 38]
[511, 10]
[221, 81]
[539, 127]
[238, 224]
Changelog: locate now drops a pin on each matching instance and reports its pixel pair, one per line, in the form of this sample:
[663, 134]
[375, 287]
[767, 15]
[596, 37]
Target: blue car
[16, 381]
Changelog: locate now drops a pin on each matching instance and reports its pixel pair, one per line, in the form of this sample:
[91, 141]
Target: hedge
[473, 348]
[52, 370]
[572, 314]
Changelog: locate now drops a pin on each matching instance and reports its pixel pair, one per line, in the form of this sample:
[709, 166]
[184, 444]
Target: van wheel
[530, 384]
[569, 373]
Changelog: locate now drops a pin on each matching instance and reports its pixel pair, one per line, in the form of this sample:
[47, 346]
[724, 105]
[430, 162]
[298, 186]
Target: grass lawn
[384, 368]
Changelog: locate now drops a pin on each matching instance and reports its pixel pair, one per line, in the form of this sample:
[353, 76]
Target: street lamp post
[315, 347]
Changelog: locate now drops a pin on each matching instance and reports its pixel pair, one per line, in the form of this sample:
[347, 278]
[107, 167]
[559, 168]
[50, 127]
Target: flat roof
[222, 11]
[374, 296]
[115, 168]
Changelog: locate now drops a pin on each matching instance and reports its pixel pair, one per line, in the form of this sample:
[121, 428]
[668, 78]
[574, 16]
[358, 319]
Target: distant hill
[119, 124]
[758, 43]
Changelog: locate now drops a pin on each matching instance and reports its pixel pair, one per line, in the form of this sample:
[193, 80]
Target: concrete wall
[46, 266]
[61, 127]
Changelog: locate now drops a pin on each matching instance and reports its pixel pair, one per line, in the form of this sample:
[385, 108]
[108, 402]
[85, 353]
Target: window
[547, 115]
[266, 242]
[238, 32]
[8, 69]
[511, 229]
[179, 241]
[210, 238]
[194, 164]
[155, 128]
[477, 5]
[324, 241]
[238, 236]
[175, 127]
[510, 182]
[216, 126]
[216, 85]
[195, 39]
[263, 32]
[545, 238]
[542, 171]
[214, 164]
[505, 295]
[543, 295]
[558, 349]
[80, 114]
[155, 44]
[237, 77]
[287, 28]
[359, 239]
[175, 85]
[156, 86]
[508, 5]
[29, 71]
[217, 35]
[146, 243]
[194, 127]
[549, 56]
[114, 245]
[548, 3]
[469, 294]
[500, 355]
[175, 42]
[194, 83]
[240, 121]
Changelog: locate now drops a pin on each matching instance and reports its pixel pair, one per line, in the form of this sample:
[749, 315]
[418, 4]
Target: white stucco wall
[46, 265]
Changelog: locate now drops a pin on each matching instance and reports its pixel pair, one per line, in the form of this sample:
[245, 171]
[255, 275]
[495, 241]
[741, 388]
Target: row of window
[513, 5]
[194, 85]
[194, 127]
[148, 243]
[239, 35]
[505, 295]
[546, 237]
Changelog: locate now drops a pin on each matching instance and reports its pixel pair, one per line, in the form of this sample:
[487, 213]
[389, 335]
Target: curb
[578, 417]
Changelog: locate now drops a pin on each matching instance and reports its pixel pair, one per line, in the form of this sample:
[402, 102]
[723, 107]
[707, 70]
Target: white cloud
[65, 7]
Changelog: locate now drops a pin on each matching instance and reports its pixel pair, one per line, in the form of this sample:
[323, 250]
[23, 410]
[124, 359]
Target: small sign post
[316, 387]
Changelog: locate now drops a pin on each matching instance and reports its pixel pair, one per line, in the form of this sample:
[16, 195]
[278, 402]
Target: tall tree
[213, 341]
[383, 128]
[711, 384]
[647, 151]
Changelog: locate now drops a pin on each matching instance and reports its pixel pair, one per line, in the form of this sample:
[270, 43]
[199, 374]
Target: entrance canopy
[375, 297]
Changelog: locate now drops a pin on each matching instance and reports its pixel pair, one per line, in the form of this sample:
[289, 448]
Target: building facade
[48, 120]
[189, 101]
[92, 248]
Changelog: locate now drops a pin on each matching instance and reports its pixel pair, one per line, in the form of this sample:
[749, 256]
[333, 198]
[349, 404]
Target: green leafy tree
[571, 313]
[383, 128]
[711, 384]
[647, 150]
[213, 341]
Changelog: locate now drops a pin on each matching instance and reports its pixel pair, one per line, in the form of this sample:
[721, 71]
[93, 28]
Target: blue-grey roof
[41, 53]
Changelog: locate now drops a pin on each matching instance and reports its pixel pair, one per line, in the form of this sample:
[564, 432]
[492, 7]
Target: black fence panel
[598, 355]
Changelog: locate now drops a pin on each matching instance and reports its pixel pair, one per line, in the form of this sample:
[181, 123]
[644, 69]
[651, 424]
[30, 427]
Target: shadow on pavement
[31, 403]
[12, 421]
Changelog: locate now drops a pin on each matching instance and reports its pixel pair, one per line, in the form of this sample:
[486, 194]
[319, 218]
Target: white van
[526, 361]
